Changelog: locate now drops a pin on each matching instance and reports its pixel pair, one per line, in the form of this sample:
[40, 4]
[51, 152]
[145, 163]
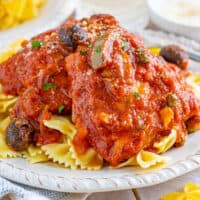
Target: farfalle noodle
[166, 142]
[35, 155]
[144, 159]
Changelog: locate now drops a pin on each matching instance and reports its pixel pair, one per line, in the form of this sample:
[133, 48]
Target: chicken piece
[37, 74]
[119, 89]
[40, 64]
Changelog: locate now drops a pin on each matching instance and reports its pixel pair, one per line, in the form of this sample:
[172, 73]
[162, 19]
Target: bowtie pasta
[191, 191]
[64, 153]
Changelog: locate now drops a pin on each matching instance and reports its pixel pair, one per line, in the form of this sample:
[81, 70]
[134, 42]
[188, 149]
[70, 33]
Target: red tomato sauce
[37, 75]
[122, 98]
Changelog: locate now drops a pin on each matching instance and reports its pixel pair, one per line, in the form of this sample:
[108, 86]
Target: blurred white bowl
[132, 14]
[163, 14]
[52, 14]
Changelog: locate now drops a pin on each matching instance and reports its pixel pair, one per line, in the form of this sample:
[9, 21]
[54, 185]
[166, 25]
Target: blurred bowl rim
[152, 8]
[52, 15]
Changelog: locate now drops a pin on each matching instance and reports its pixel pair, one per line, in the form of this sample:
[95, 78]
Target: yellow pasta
[144, 159]
[61, 124]
[166, 142]
[194, 80]
[90, 160]
[39, 158]
[35, 155]
[191, 192]
[130, 162]
[11, 50]
[5, 151]
[39, 3]
[5, 105]
[155, 50]
[34, 150]
[3, 124]
[13, 12]
[60, 154]
[191, 187]
[65, 153]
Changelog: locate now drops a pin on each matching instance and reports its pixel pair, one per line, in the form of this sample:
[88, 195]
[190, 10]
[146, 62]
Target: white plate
[183, 160]
[52, 14]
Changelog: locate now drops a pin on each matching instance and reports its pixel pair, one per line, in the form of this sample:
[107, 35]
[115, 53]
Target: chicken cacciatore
[122, 98]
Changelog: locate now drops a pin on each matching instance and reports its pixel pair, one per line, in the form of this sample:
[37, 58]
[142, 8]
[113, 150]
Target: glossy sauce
[29, 73]
[117, 105]
[117, 91]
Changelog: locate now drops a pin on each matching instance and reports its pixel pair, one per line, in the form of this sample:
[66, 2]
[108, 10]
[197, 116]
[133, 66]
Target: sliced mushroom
[72, 36]
[171, 100]
[19, 134]
[175, 54]
[101, 53]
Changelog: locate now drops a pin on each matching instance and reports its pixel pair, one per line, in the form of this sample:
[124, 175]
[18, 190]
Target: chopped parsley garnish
[98, 49]
[36, 44]
[136, 95]
[90, 45]
[124, 44]
[83, 52]
[141, 56]
[48, 86]
[61, 108]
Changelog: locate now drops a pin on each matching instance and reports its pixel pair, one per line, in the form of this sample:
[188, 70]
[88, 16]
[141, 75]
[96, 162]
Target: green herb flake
[131, 50]
[124, 44]
[90, 45]
[61, 108]
[141, 56]
[98, 49]
[48, 86]
[36, 44]
[83, 52]
[136, 95]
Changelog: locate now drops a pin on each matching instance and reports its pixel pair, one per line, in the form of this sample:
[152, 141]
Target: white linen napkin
[20, 192]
